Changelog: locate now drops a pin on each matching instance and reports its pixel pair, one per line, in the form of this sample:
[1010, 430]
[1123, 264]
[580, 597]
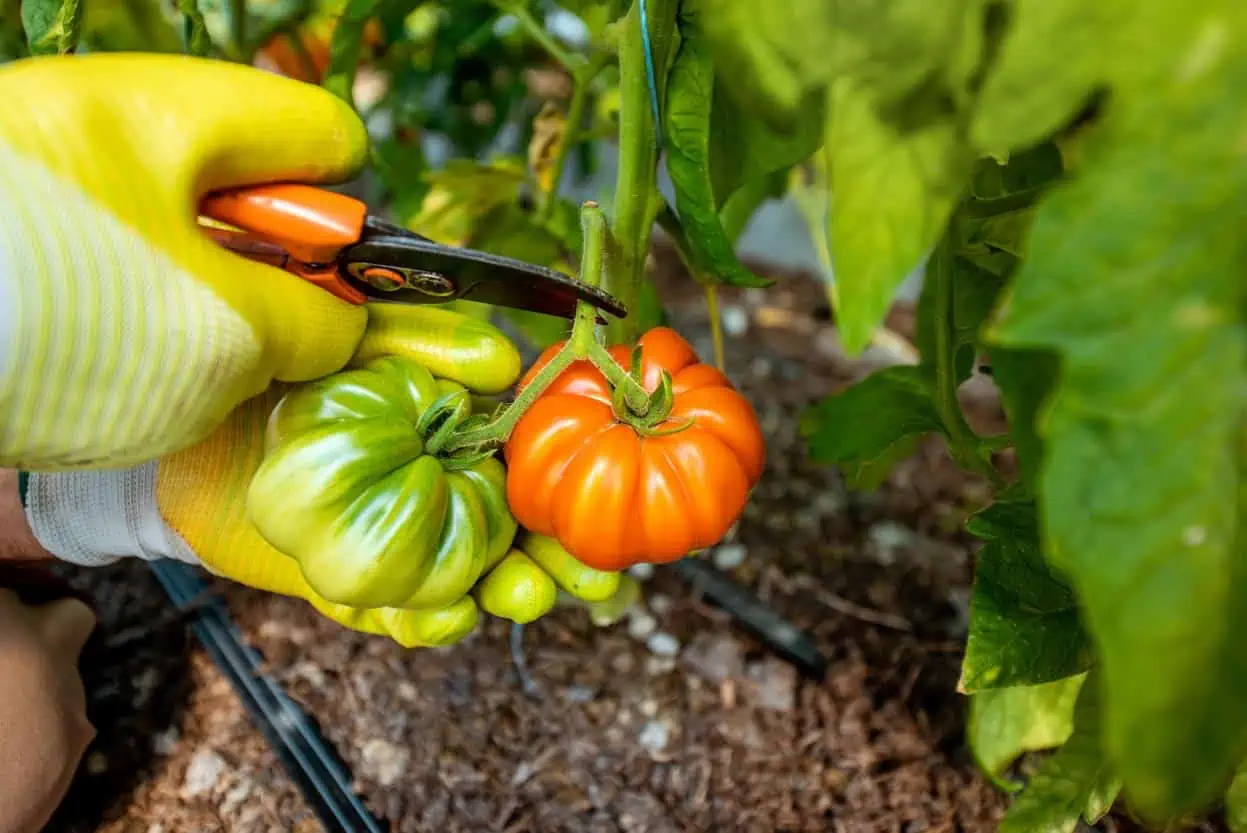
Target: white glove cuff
[93, 518]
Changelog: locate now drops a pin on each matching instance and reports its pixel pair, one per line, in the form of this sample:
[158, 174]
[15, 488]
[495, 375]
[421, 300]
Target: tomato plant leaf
[53, 26]
[778, 54]
[1051, 60]
[1141, 299]
[690, 96]
[1076, 782]
[1236, 802]
[744, 149]
[872, 425]
[892, 191]
[774, 54]
[1024, 626]
[1005, 723]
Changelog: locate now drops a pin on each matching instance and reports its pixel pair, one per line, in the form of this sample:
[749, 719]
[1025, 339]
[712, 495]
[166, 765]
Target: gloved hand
[192, 505]
[125, 333]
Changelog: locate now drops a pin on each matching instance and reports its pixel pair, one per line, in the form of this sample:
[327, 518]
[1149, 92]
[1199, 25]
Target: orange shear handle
[309, 225]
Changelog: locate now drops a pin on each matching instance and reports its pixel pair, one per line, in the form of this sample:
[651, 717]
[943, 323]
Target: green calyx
[650, 420]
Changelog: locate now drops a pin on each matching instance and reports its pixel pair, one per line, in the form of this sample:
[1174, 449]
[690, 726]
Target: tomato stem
[582, 345]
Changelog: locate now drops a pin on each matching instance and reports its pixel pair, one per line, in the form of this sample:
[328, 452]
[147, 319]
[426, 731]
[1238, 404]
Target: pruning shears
[330, 240]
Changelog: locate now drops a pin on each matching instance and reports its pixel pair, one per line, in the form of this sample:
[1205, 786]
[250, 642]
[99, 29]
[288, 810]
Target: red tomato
[614, 496]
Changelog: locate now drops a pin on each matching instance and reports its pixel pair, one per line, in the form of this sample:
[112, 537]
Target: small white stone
[155, 827]
[383, 761]
[663, 644]
[654, 736]
[641, 624]
[237, 794]
[891, 535]
[649, 708]
[406, 692]
[660, 604]
[659, 665]
[735, 320]
[165, 742]
[309, 671]
[205, 770]
[729, 556]
[642, 572]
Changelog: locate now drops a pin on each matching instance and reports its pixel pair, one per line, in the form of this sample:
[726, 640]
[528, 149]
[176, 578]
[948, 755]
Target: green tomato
[349, 490]
[580, 580]
[454, 346]
[517, 589]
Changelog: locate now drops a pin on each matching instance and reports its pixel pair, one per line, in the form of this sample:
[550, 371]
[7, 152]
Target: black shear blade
[433, 273]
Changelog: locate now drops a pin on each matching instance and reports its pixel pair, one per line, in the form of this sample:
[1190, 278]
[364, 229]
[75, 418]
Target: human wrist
[17, 539]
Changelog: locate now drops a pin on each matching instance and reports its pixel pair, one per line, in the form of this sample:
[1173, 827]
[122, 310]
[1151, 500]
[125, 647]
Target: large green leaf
[52, 26]
[690, 97]
[893, 187]
[1135, 280]
[776, 54]
[1007, 722]
[744, 149]
[872, 425]
[1053, 57]
[1024, 626]
[1076, 782]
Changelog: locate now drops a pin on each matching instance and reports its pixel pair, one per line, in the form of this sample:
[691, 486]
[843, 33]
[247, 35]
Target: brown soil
[625, 737]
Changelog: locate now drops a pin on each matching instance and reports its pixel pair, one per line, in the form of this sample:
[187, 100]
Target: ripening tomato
[615, 491]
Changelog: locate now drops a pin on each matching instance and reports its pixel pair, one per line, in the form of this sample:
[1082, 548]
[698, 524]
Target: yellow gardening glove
[125, 333]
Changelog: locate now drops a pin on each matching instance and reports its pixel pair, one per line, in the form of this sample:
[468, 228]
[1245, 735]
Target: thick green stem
[238, 30]
[636, 193]
[963, 443]
[995, 207]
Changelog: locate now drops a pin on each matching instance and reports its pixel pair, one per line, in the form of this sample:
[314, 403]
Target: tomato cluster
[359, 488]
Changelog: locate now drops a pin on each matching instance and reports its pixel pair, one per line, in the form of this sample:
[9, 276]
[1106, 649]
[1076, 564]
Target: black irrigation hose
[320, 775]
[754, 615]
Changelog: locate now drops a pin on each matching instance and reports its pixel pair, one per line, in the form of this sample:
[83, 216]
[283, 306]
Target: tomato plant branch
[569, 60]
[975, 209]
[963, 443]
[582, 345]
[637, 200]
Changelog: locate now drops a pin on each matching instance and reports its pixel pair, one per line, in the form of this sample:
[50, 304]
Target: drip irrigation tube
[322, 778]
